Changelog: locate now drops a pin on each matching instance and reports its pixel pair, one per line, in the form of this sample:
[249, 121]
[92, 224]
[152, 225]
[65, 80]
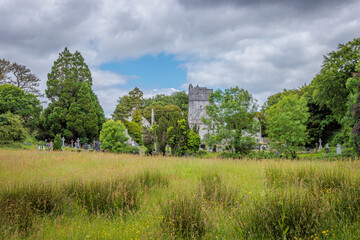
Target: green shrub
[11, 128]
[57, 143]
[201, 153]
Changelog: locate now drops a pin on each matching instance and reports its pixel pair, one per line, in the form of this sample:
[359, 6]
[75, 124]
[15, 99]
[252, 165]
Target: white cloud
[262, 46]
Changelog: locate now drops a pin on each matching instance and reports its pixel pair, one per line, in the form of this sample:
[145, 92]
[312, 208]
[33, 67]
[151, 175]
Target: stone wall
[198, 100]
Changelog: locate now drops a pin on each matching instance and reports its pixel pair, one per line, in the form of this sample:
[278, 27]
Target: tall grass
[64, 195]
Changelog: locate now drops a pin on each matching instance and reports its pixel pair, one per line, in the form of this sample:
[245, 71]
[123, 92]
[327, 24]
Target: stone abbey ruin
[198, 100]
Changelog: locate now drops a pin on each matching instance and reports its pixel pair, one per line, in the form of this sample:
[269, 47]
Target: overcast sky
[262, 46]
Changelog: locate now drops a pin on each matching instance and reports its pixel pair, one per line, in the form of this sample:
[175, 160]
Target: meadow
[68, 195]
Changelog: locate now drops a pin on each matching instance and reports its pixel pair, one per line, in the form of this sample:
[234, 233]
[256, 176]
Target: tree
[11, 128]
[74, 110]
[286, 124]
[193, 141]
[161, 134]
[180, 99]
[16, 101]
[113, 137]
[231, 115]
[178, 137]
[329, 85]
[149, 139]
[126, 104]
[23, 78]
[353, 85]
[57, 143]
[160, 111]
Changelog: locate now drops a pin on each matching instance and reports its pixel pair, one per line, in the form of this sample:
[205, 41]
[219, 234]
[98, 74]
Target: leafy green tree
[329, 85]
[11, 128]
[160, 111]
[134, 131]
[193, 141]
[57, 143]
[180, 99]
[149, 139]
[178, 137]
[286, 124]
[17, 101]
[74, 110]
[232, 115]
[353, 85]
[113, 137]
[160, 130]
[127, 103]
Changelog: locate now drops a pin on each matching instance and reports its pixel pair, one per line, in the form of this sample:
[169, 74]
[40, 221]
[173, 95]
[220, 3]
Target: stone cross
[94, 143]
[63, 142]
[320, 146]
[152, 117]
[72, 143]
[338, 149]
[78, 142]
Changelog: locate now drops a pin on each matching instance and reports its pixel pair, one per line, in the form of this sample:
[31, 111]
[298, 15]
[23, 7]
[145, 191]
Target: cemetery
[202, 164]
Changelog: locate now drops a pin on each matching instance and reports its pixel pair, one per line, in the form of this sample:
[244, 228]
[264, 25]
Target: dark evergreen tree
[74, 110]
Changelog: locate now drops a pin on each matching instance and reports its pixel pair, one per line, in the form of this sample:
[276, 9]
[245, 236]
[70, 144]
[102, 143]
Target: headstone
[72, 143]
[29, 143]
[93, 145]
[140, 152]
[338, 149]
[36, 146]
[186, 155]
[327, 149]
[320, 146]
[203, 146]
[214, 148]
[308, 150]
[63, 141]
[45, 141]
[317, 146]
[51, 145]
[78, 142]
[133, 143]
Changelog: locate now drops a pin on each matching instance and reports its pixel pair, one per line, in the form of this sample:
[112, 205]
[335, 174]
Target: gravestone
[140, 152]
[203, 146]
[320, 146]
[338, 149]
[93, 145]
[214, 148]
[36, 146]
[327, 149]
[63, 141]
[72, 143]
[78, 142]
[51, 144]
[308, 150]
[316, 146]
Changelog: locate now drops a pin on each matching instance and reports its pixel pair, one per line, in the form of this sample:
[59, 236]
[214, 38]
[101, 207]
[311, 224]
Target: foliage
[353, 85]
[134, 131]
[161, 134]
[24, 79]
[149, 139]
[112, 136]
[329, 85]
[286, 124]
[193, 141]
[178, 137]
[160, 111]
[275, 98]
[74, 110]
[16, 101]
[179, 99]
[57, 143]
[231, 115]
[11, 128]
[127, 103]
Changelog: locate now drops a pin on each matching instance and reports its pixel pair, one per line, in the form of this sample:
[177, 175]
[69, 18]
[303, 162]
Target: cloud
[262, 46]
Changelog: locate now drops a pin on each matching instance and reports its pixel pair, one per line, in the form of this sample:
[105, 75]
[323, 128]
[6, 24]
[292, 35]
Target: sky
[162, 46]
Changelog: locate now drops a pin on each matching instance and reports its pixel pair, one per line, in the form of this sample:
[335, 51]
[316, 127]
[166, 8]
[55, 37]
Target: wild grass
[68, 195]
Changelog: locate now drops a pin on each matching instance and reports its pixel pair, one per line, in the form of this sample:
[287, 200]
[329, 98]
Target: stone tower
[198, 100]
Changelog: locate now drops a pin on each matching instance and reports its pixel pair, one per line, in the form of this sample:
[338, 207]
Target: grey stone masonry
[198, 100]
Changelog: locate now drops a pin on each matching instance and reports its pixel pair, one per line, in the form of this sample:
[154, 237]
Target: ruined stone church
[198, 100]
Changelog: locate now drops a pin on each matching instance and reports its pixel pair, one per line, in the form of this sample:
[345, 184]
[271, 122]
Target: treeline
[327, 109]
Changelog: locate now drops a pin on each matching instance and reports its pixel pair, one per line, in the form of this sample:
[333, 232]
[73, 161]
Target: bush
[11, 128]
[112, 136]
[227, 155]
[57, 143]
[201, 153]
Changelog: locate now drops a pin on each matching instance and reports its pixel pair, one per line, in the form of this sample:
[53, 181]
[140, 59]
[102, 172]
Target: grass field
[67, 195]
